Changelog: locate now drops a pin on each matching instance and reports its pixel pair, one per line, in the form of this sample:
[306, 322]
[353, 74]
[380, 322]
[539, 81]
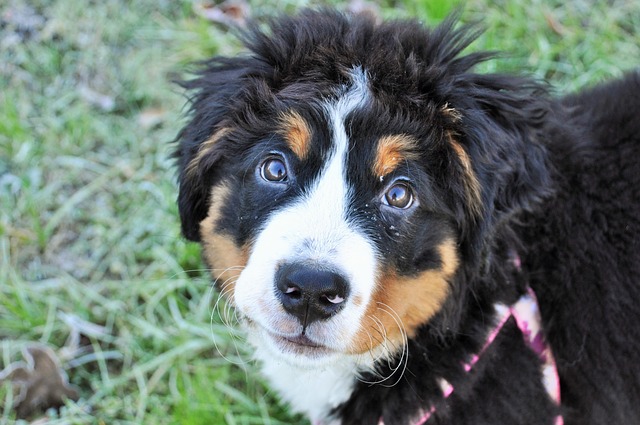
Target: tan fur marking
[410, 301]
[204, 148]
[471, 184]
[392, 151]
[225, 259]
[451, 113]
[296, 133]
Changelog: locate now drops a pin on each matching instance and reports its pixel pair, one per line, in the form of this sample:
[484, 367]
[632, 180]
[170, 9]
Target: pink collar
[526, 313]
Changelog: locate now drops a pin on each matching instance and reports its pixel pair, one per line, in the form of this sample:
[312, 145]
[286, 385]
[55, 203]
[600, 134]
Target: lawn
[92, 264]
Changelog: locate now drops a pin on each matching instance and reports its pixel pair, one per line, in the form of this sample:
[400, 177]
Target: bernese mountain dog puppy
[377, 212]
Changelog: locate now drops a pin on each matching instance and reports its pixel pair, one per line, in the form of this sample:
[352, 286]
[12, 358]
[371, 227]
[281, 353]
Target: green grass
[89, 234]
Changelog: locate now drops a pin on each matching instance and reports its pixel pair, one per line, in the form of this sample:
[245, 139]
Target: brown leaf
[366, 8]
[554, 24]
[39, 382]
[229, 12]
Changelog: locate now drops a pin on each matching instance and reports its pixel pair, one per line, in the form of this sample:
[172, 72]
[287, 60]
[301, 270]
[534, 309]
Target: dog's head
[345, 178]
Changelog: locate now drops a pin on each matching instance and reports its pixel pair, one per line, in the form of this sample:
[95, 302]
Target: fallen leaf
[229, 12]
[365, 8]
[38, 382]
[554, 24]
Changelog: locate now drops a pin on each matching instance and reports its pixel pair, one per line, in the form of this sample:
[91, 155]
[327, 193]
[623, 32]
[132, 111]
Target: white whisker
[404, 356]
[227, 315]
[389, 347]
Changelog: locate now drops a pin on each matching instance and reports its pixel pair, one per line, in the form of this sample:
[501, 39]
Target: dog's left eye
[399, 195]
[274, 169]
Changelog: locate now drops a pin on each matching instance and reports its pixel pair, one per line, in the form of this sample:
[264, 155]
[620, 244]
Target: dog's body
[365, 200]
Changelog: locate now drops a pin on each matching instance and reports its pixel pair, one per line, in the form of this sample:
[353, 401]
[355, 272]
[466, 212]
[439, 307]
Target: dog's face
[333, 214]
[341, 180]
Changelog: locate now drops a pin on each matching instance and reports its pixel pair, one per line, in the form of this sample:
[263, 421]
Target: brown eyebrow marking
[204, 148]
[393, 150]
[296, 133]
[471, 183]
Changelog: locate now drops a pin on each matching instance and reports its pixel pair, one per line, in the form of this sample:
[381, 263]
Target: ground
[92, 264]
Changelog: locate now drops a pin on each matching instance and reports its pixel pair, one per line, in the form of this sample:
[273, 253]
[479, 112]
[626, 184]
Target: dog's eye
[274, 169]
[399, 195]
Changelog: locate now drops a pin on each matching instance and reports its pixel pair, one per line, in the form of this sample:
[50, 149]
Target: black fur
[560, 186]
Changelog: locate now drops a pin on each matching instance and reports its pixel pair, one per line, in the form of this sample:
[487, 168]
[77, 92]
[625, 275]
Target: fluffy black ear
[520, 118]
[214, 95]
[506, 122]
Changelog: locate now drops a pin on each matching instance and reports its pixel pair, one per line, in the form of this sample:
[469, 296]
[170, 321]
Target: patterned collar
[527, 315]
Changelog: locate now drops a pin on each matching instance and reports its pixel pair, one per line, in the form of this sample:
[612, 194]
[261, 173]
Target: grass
[91, 259]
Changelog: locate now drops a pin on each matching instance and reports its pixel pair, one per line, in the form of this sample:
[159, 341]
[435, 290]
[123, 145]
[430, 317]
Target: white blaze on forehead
[314, 229]
[327, 201]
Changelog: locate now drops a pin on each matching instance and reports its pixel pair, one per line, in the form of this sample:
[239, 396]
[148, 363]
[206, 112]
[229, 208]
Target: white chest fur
[313, 392]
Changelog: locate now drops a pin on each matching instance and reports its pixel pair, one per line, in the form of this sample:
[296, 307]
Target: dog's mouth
[302, 340]
[299, 345]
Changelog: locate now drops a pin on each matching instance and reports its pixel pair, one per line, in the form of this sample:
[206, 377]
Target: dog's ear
[505, 123]
[214, 95]
[519, 119]
[495, 127]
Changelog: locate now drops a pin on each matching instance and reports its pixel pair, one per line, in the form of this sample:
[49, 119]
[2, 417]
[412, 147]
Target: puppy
[381, 216]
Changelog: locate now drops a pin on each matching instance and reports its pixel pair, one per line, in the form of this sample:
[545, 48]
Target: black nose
[310, 293]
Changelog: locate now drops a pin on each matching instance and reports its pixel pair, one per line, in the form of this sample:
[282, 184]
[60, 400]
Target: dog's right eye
[274, 169]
